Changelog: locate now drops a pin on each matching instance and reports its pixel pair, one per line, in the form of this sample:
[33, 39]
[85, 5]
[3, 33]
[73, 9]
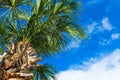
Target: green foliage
[47, 25]
[46, 72]
[1, 50]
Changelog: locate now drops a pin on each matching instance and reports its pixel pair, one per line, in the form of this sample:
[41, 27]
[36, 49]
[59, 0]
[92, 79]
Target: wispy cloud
[106, 24]
[100, 26]
[110, 5]
[115, 36]
[73, 44]
[107, 9]
[94, 27]
[108, 68]
[92, 2]
[91, 27]
[103, 42]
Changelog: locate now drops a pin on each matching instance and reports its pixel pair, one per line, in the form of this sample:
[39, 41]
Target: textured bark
[17, 61]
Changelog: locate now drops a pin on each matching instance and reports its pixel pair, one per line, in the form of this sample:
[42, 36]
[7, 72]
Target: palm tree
[47, 25]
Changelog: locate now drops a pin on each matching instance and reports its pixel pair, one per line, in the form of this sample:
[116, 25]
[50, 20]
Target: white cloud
[106, 24]
[115, 36]
[108, 68]
[96, 27]
[73, 44]
[92, 2]
[105, 41]
[91, 27]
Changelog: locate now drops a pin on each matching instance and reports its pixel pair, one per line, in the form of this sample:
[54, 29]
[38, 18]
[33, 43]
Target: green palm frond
[50, 22]
[13, 10]
[1, 50]
[75, 32]
[46, 72]
[6, 32]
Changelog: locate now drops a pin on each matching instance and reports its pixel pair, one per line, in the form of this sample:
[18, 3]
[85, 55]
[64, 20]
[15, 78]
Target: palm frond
[46, 72]
[50, 22]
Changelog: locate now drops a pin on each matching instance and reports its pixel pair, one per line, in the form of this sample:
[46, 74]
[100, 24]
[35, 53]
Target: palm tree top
[47, 24]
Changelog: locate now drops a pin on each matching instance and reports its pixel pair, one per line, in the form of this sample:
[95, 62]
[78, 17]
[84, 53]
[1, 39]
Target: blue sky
[100, 52]
[98, 56]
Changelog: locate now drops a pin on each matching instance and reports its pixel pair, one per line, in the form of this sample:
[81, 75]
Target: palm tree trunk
[17, 61]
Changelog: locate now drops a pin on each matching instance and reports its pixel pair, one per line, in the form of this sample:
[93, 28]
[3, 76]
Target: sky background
[98, 56]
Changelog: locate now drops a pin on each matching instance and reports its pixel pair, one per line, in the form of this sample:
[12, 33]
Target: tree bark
[17, 61]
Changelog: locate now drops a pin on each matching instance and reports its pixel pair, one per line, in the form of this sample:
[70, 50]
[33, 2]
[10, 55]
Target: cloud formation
[103, 42]
[100, 26]
[106, 24]
[108, 68]
[115, 36]
[93, 2]
[91, 27]
[72, 44]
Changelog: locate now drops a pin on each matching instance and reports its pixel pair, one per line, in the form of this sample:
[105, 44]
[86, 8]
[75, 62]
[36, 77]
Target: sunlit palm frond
[46, 72]
[50, 22]
[14, 11]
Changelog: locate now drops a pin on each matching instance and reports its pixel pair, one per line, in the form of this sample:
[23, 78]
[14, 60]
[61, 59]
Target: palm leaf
[48, 28]
[46, 72]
